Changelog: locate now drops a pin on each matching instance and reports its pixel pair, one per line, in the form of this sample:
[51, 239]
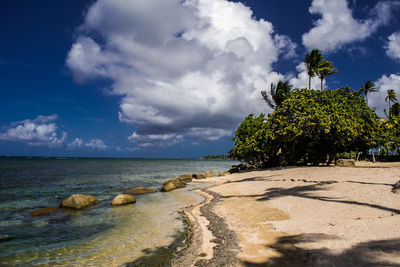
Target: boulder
[199, 176]
[172, 184]
[208, 174]
[139, 191]
[346, 163]
[187, 178]
[79, 201]
[168, 187]
[233, 169]
[242, 167]
[43, 212]
[123, 199]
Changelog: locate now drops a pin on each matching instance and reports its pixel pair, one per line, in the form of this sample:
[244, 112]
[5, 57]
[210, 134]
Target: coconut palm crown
[367, 87]
[391, 97]
[312, 60]
[325, 68]
[279, 93]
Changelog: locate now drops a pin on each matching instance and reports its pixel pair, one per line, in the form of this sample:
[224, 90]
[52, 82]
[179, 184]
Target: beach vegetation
[310, 127]
[279, 93]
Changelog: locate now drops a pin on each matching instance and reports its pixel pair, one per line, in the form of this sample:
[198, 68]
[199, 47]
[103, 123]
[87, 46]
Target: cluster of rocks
[182, 180]
[80, 201]
[243, 168]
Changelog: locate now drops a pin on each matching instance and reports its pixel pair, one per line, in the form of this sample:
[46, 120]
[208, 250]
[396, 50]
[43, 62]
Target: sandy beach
[298, 216]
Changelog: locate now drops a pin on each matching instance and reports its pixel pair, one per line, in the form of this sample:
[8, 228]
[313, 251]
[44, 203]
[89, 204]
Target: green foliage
[395, 110]
[310, 127]
[393, 129]
[347, 155]
[279, 93]
[249, 138]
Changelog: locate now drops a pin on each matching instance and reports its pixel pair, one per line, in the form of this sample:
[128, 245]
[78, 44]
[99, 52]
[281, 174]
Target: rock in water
[172, 184]
[139, 191]
[208, 174]
[123, 199]
[234, 169]
[187, 178]
[346, 163]
[79, 201]
[168, 187]
[43, 212]
[199, 176]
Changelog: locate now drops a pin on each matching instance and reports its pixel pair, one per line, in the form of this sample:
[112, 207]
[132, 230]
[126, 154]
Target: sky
[173, 78]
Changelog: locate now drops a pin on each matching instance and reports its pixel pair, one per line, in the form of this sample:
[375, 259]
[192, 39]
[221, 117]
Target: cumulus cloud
[377, 99]
[181, 67]
[41, 131]
[393, 46]
[75, 144]
[154, 139]
[337, 26]
[96, 143]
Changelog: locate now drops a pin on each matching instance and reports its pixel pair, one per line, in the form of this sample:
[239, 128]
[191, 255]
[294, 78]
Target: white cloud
[179, 66]
[77, 143]
[209, 134]
[38, 132]
[337, 26]
[393, 46]
[155, 139]
[96, 143]
[377, 99]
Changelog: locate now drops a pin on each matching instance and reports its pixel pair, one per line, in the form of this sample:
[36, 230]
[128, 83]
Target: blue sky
[118, 78]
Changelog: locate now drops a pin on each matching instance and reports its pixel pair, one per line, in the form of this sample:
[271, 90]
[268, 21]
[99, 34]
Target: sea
[101, 235]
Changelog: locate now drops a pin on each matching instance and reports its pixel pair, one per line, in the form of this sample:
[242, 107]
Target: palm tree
[312, 60]
[368, 87]
[279, 93]
[391, 97]
[325, 68]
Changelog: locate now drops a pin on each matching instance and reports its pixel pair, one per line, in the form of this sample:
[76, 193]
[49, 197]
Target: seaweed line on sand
[182, 251]
[227, 247]
[163, 256]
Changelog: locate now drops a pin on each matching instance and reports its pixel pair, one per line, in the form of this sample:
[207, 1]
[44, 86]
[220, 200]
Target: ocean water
[101, 235]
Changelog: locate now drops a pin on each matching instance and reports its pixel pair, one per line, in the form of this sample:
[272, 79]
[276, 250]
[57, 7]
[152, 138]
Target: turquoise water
[98, 236]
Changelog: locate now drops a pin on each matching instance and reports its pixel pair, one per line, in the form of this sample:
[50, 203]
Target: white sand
[312, 215]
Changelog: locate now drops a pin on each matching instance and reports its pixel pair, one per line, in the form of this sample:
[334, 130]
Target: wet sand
[299, 216]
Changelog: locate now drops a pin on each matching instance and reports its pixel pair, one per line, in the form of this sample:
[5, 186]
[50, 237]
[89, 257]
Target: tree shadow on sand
[309, 192]
[363, 254]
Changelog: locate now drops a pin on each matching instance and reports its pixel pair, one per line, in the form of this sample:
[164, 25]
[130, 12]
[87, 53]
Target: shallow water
[96, 236]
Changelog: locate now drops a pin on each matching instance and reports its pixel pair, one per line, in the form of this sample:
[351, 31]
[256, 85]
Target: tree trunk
[373, 156]
[309, 82]
[321, 83]
[358, 155]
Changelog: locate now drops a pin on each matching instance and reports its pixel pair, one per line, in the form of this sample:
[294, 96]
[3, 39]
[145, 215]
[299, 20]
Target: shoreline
[305, 216]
